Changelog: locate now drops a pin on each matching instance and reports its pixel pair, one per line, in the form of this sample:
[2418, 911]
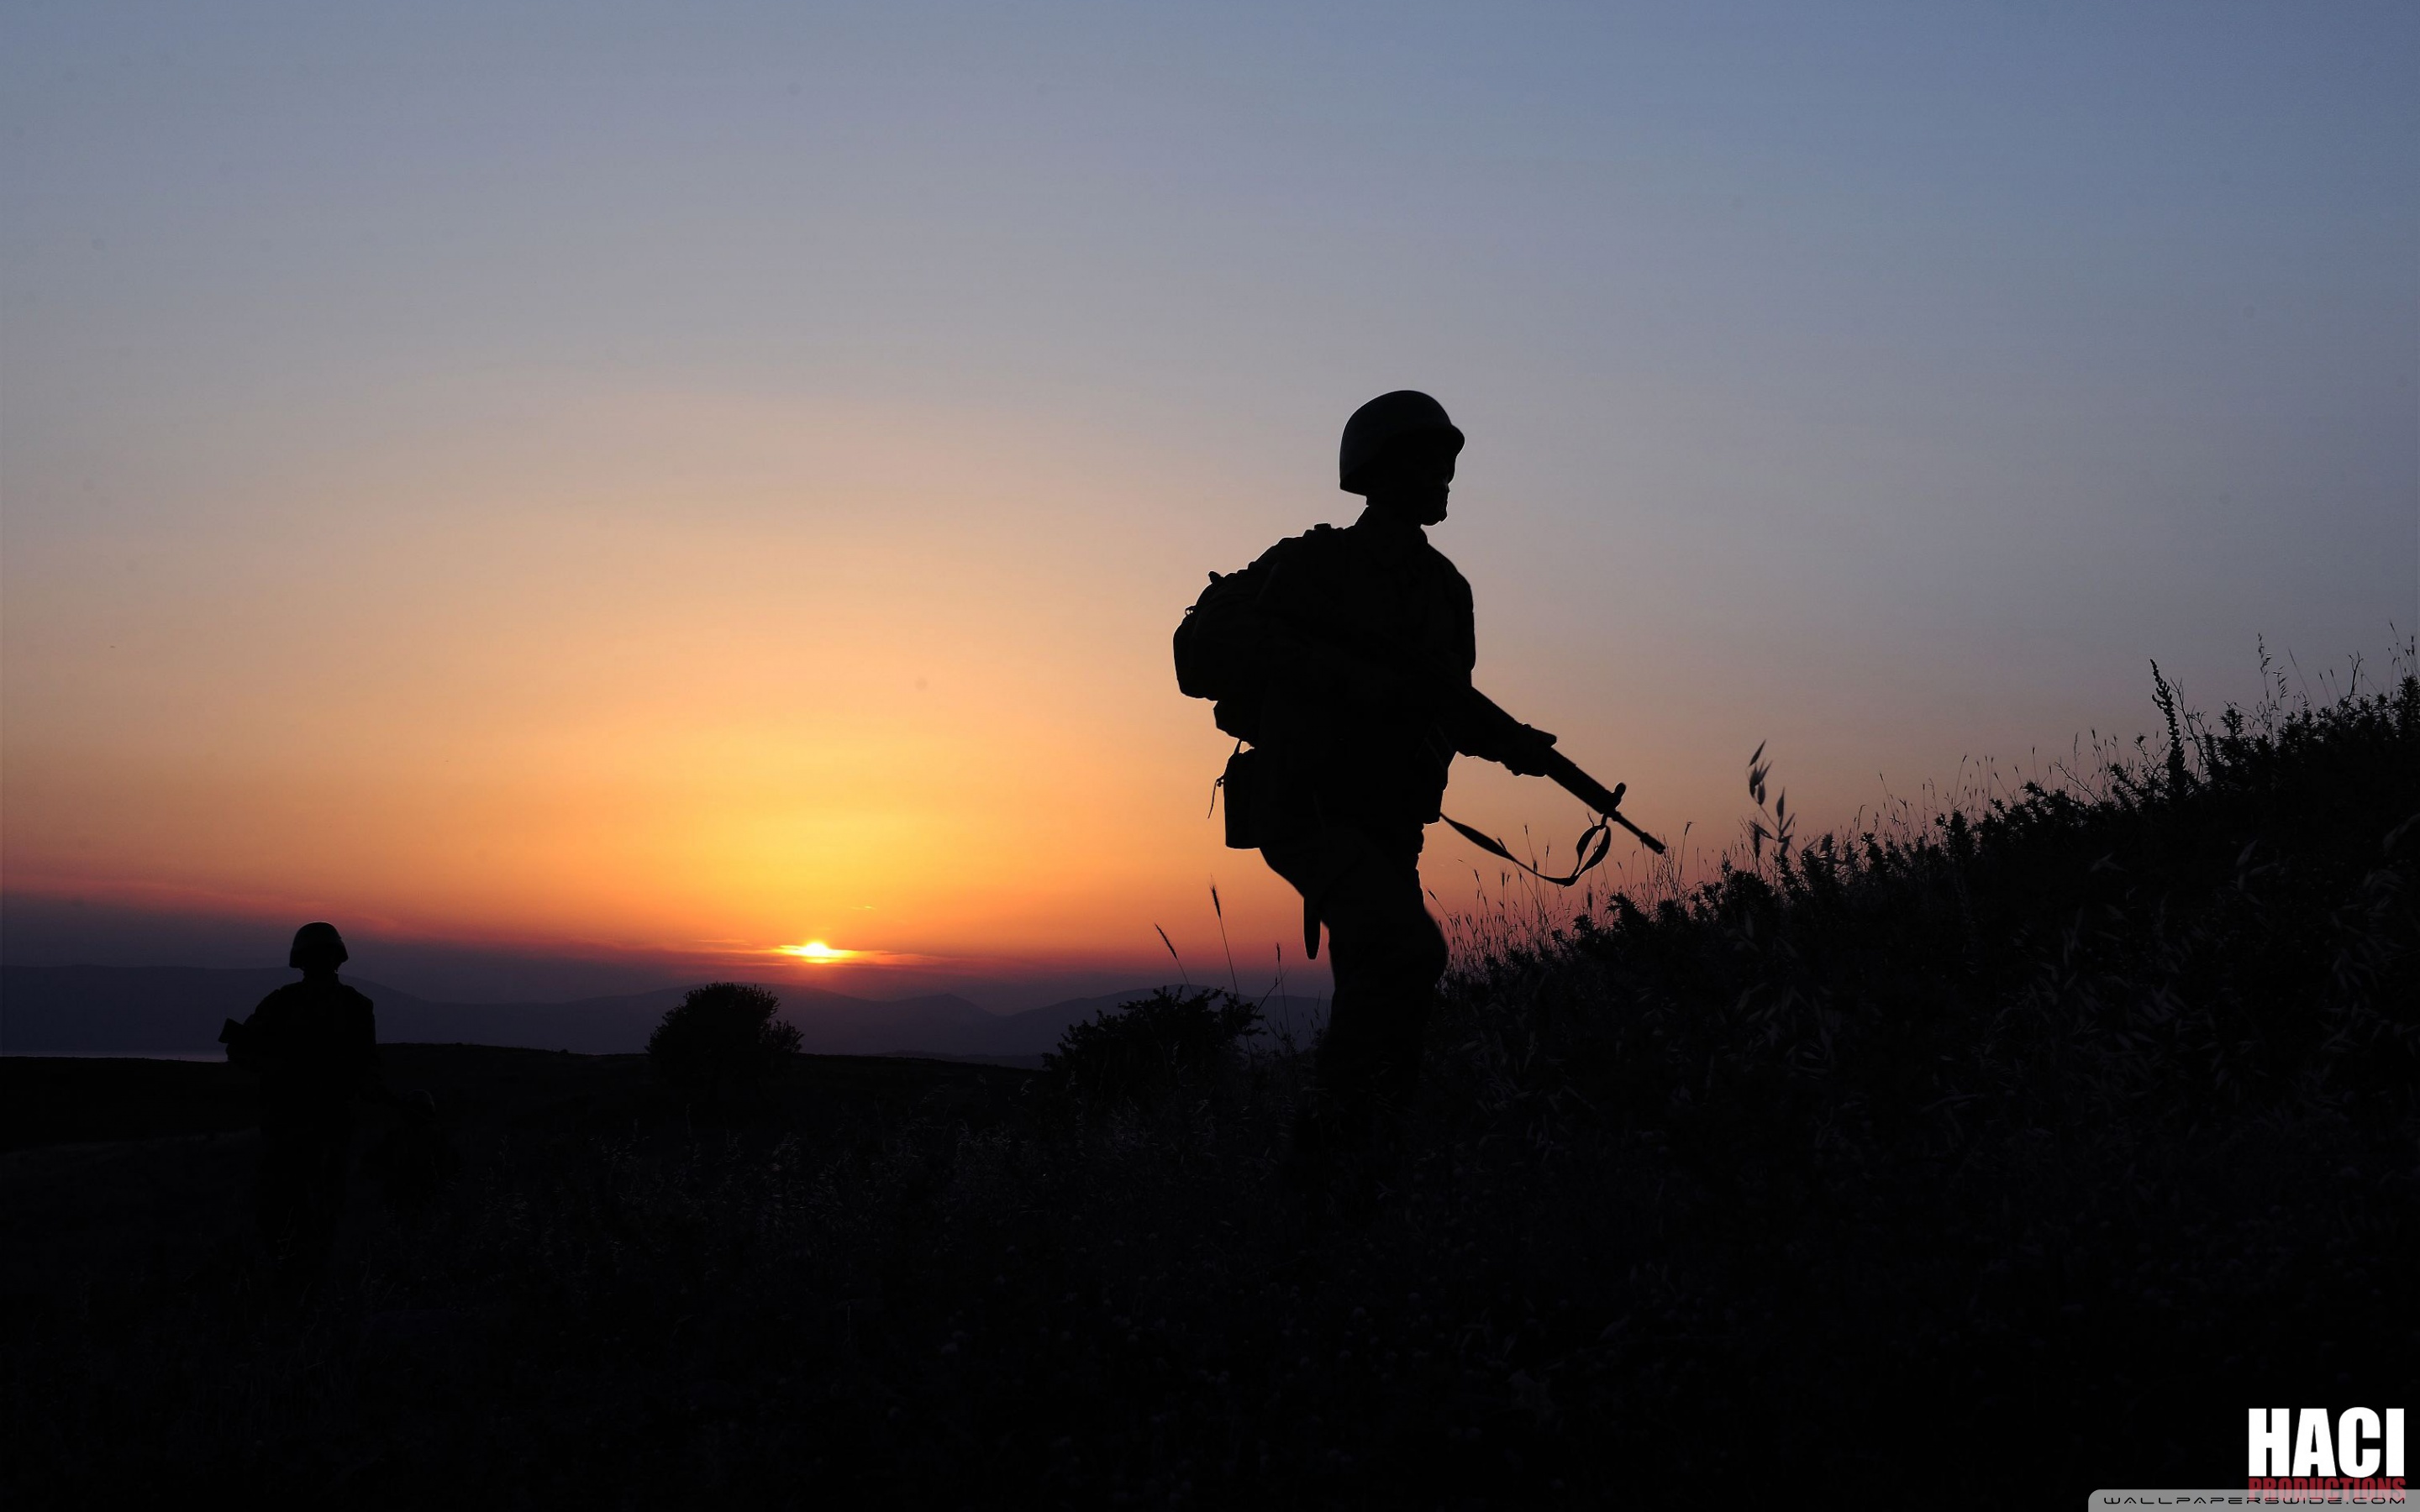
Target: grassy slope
[2024, 1154]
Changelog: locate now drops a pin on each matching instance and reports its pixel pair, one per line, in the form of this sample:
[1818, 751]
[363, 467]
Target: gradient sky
[685, 479]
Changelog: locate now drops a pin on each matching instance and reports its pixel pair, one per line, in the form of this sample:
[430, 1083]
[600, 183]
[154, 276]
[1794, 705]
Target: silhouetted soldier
[313, 1044]
[1338, 655]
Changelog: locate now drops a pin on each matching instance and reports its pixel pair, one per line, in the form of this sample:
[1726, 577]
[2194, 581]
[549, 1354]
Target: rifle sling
[1594, 843]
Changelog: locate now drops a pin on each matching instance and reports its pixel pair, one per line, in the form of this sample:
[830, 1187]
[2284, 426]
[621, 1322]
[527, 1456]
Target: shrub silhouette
[1148, 1049]
[722, 1037]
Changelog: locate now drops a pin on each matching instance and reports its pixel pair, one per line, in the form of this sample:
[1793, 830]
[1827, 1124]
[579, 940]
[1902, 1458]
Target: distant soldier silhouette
[313, 1044]
[1339, 655]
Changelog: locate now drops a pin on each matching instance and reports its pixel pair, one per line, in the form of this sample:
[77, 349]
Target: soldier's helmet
[1384, 422]
[316, 947]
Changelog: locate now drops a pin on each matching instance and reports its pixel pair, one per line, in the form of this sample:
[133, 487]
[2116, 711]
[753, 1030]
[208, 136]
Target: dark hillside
[46, 1101]
[177, 1010]
[2093, 1109]
[1990, 1162]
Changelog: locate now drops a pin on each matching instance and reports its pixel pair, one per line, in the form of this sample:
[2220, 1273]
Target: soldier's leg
[1396, 953]
[329, 1162]
[1386, 953]
[281, 1197]
[1318, 865]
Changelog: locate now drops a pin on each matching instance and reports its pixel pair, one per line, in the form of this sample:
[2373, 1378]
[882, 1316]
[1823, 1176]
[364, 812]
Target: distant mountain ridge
[178, 1010]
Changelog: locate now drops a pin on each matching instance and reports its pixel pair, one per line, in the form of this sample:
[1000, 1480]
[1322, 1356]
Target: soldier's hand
[1527, 756]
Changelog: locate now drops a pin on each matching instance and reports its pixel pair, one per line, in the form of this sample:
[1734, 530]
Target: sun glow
[817, 950]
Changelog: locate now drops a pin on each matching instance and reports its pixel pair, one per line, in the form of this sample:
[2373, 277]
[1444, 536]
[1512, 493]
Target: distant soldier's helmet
[1384, 422]
[316, 946]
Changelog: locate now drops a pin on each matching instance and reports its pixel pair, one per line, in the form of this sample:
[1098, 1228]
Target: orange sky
[645, 669]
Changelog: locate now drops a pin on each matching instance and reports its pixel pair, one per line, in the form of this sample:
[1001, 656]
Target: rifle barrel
[1568, 776]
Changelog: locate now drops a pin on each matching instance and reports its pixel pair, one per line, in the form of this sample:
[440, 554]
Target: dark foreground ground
[1981, 1163]
[150, 1350]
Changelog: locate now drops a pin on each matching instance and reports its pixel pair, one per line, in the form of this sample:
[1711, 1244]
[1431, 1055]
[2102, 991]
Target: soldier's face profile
[1414, 479]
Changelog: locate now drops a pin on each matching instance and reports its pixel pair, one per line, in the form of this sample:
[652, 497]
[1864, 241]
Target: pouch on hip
[1241, 785]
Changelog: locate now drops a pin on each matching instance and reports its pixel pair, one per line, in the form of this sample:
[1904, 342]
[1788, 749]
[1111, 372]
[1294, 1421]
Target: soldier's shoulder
[1442, 566]
[1318, 542]
[1318, 536]
[345, 1001]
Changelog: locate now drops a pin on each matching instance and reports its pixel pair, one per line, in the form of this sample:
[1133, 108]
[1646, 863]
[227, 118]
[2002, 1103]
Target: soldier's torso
[314, 1042]
[1380, 587]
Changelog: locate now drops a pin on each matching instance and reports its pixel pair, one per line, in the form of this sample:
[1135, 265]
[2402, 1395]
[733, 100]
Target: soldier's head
[1399, 453]
[316, 948]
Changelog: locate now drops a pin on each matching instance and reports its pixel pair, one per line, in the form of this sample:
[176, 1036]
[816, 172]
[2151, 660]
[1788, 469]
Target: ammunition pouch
[1243, 786]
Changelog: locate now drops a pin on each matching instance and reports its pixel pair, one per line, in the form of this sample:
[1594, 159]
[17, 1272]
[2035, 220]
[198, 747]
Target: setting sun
[817, 950]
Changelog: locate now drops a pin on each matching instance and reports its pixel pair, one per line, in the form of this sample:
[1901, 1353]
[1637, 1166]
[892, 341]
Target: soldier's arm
[1370, 675]
[1479, 726]
[253, 1043]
